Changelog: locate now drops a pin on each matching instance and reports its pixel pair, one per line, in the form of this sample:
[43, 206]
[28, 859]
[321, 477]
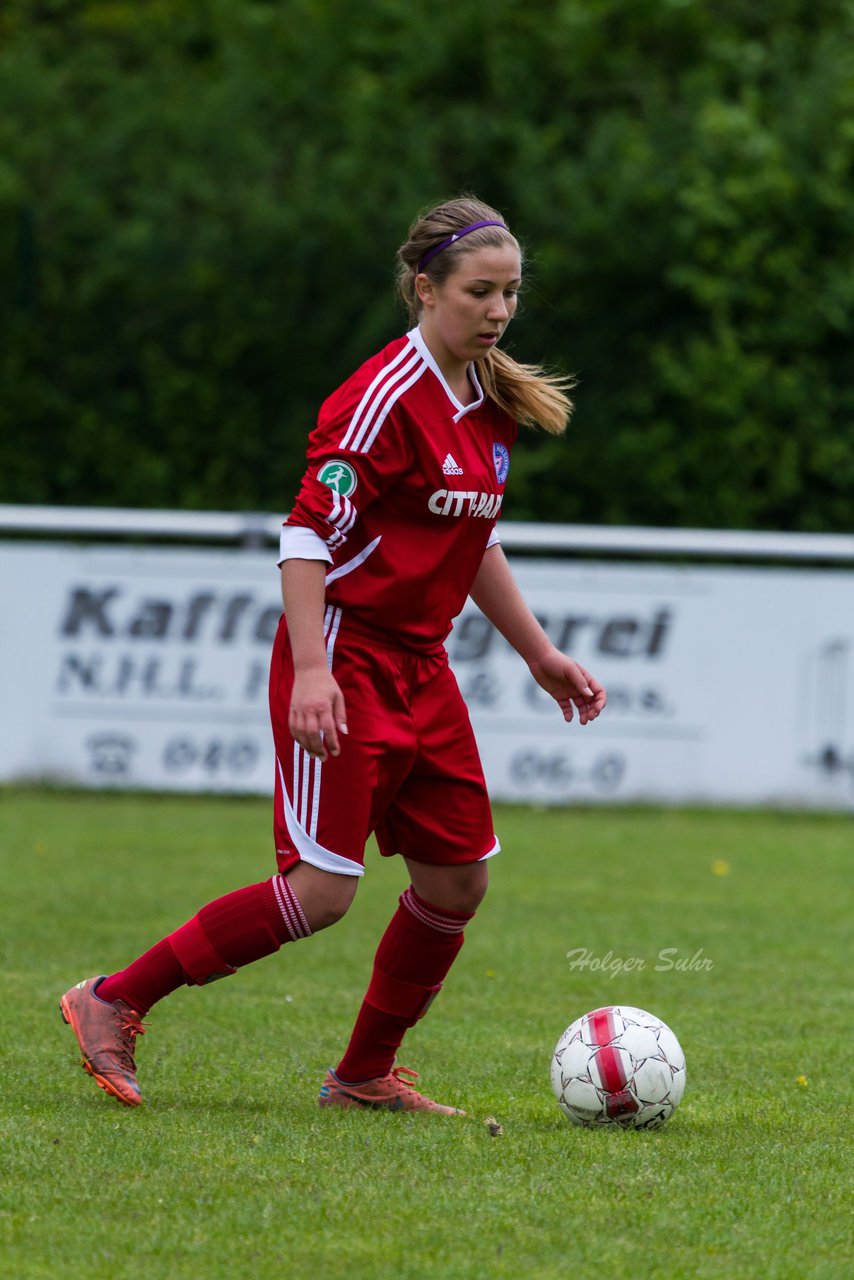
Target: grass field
[229, 1169]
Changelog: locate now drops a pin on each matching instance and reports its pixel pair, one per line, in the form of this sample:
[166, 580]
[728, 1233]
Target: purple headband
[458, 235]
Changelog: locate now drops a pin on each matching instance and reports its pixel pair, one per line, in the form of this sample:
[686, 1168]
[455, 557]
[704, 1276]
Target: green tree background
[200, 202]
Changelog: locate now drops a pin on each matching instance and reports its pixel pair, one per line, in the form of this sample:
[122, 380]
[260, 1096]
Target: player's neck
[463, 386]
[458, 380]
[455, 372]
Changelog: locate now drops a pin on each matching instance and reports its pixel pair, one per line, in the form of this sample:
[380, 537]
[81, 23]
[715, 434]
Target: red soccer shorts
[409, 768]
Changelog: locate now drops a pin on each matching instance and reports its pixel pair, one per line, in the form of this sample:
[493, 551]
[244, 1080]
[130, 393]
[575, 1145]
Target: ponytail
[529, 394]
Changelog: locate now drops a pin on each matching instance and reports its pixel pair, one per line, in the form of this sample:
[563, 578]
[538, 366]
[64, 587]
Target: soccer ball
[618, 1066]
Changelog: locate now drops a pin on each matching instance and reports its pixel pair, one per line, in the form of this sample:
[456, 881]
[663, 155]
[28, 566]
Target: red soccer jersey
[404, 485]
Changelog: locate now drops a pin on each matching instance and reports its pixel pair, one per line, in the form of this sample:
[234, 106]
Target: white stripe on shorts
[307, 779]
[309, 850]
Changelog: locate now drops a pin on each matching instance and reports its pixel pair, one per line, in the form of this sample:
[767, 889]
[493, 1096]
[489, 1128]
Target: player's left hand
[570, 685]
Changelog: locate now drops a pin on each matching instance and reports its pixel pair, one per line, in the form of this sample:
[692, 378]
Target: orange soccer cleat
[107, 1035]
[386, 1093]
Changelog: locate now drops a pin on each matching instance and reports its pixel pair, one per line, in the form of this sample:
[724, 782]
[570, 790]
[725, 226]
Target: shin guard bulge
[225, 935]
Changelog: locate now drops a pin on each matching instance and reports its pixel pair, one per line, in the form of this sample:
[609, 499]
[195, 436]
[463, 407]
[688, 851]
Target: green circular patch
[339, 476]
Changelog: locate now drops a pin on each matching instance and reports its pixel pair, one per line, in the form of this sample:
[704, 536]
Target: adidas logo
[450, 468]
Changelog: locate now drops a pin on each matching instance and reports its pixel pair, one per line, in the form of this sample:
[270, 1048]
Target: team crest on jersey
[338, 476]
[501, 458]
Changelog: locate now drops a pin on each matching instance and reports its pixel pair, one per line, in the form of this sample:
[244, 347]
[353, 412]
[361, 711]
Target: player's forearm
[304, 599]
[496, 594]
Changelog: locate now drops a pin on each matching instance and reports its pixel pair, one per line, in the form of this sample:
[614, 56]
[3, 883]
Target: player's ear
[425, 290]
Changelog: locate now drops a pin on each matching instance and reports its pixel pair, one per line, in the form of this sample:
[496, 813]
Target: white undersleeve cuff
[297, 542]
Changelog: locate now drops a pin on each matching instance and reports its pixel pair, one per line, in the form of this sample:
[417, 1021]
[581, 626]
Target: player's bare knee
[454, 888]
[324, 896]
[333, 908]
[469, 897]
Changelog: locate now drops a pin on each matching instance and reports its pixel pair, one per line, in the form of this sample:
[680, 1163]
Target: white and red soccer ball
[618, 1066]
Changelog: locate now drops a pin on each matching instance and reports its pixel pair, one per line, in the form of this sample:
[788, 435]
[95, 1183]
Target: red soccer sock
[413, 958]
[227, 934]
[146, 981]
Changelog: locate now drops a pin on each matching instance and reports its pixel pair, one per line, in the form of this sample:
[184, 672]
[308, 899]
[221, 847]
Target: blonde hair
[526, 391]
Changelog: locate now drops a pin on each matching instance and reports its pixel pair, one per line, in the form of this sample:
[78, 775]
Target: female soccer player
[393, 527]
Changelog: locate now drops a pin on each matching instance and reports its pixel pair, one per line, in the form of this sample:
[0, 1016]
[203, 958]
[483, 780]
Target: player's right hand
[317, 716]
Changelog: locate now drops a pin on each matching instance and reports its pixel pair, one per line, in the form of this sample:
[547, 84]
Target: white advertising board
[129, 667]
